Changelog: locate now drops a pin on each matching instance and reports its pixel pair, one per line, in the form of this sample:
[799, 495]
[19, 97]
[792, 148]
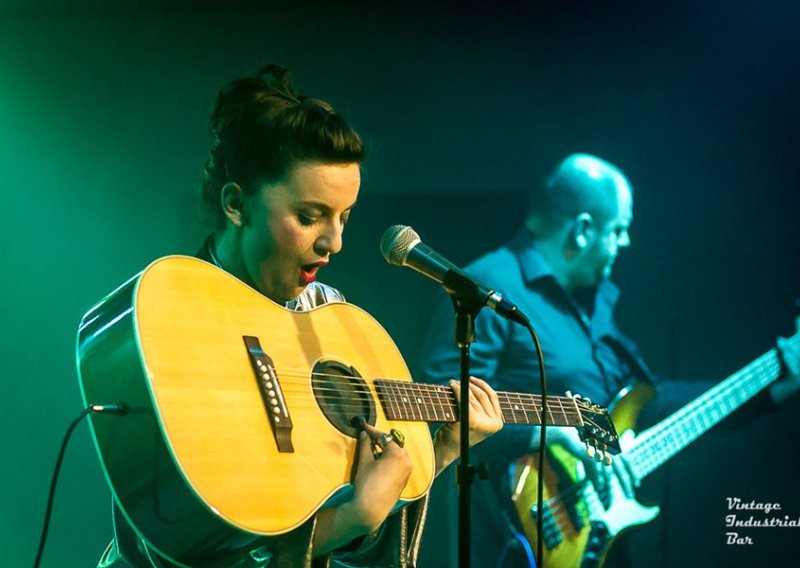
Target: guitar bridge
[271, 394]
[552, 535]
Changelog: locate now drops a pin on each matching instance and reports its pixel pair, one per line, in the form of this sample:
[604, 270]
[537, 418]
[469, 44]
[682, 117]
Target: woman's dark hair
[261, 125]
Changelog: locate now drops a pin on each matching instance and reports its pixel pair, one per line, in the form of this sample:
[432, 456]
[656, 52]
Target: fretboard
[659, 443]
[403, 400]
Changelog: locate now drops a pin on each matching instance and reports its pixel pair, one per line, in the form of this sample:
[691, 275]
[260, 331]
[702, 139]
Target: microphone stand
[466, 303]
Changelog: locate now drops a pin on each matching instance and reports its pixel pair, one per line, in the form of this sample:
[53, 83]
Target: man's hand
[789, 383]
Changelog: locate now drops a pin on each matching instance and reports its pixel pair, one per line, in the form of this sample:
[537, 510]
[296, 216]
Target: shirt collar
[535, 268]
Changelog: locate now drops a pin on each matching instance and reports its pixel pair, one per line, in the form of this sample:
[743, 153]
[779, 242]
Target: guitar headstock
[597, 432]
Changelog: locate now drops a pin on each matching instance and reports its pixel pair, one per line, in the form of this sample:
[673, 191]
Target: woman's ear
[232, 203]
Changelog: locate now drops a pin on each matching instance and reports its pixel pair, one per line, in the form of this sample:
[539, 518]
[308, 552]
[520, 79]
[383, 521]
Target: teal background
[103, 114]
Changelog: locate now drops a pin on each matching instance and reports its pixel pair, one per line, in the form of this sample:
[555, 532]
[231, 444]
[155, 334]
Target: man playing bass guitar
[557, 269]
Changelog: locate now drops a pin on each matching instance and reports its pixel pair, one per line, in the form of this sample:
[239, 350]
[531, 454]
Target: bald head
[580, 218]
[580, 183]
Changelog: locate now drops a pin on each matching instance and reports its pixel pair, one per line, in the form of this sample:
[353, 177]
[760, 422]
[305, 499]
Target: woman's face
[291, 227]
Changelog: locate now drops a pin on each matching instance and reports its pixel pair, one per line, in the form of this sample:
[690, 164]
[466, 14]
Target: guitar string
[400, 383]
[413, 390]
[556, 507]
[730, 395]
[406, 384]
[557, 513]
[409, 394]
[410, 387]
[418, 409]
[411, 397]
[429, 389]
[571, 498]
[359, 403]
[401, 409]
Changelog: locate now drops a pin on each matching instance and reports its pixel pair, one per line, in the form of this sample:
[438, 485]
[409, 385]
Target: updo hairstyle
[260, 126]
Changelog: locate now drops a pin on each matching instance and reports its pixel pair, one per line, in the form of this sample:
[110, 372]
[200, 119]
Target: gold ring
[398, 437]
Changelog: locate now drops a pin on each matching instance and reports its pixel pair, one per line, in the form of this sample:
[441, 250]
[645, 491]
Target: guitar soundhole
[342, 395]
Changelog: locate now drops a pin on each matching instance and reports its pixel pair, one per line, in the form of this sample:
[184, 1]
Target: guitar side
[194, 465]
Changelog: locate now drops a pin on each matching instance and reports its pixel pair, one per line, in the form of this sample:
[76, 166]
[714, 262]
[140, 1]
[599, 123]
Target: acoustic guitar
[580, 523]
[240, 421]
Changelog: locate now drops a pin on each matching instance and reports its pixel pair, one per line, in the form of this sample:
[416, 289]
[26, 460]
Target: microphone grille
[396, 242]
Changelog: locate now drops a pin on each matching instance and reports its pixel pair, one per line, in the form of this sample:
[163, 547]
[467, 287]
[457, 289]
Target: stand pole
[464, 335]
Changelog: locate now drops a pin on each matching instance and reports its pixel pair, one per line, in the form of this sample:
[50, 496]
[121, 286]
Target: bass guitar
[579, 523]
[240, 413]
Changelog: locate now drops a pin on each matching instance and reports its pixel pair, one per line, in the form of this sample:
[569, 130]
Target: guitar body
[578, 528]
[194, 465]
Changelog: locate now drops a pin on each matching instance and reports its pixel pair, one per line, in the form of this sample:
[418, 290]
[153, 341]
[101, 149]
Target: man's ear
[583, 230]
[232, 200]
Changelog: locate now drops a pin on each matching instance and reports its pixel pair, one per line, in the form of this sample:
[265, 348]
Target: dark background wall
[103, 134]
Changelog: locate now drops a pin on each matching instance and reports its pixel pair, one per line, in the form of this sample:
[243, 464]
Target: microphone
[401, 246]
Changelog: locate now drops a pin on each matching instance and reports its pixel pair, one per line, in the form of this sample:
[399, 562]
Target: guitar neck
[658, 444]
[403, 400]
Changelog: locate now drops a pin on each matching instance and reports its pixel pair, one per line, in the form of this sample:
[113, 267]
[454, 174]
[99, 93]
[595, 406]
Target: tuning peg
[591, 452]
[607, 459]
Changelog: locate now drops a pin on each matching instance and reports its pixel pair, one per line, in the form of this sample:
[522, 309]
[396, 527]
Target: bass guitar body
[580, 523]
[240, 412]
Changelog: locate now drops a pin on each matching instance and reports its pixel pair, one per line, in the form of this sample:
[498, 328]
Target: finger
[380, 442]
[474, 405]
[481, 399]
[490, 393]
[456, 386]
[490, 402]
[788, 355]
[374, 434]
[364, 449]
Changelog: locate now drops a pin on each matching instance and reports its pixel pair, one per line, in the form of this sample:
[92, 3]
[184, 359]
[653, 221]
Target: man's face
[597, 259]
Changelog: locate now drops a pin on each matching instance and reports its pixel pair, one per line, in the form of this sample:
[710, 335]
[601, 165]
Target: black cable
[116, 408]
[542, 448]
